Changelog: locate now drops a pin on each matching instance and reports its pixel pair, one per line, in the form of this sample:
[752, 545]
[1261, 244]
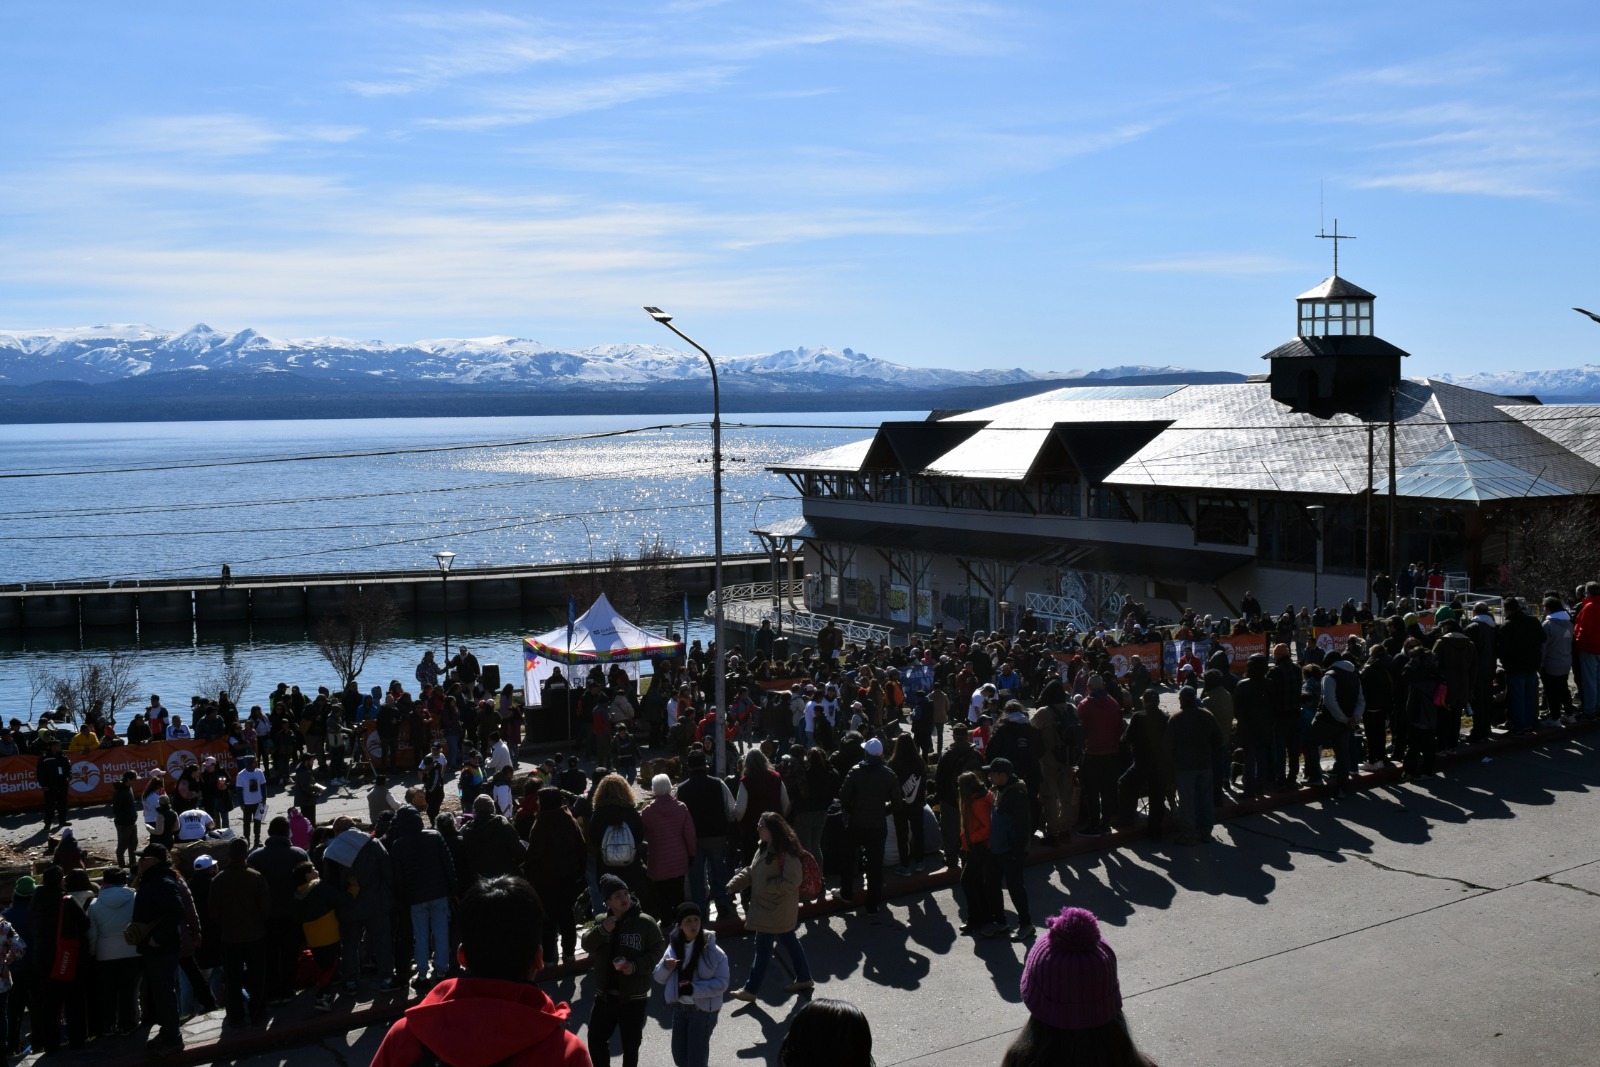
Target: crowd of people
[960, 750]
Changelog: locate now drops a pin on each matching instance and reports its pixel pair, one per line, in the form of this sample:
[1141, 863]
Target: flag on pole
[685, 620]
[572, 622]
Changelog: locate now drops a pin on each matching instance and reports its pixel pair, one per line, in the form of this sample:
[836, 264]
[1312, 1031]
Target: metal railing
[1058, 609]
[749, 603]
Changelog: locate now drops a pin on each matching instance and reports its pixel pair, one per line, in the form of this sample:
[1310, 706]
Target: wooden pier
[37, 606]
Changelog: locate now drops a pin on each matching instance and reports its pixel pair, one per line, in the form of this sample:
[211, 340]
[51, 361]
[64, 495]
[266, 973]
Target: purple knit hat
[1070, 979]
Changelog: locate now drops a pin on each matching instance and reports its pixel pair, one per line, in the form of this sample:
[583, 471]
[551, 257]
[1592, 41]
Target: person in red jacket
[1586, 640]
[494, 1014]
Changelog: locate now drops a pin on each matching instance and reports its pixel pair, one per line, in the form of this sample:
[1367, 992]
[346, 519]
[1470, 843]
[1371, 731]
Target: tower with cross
[1335, 362]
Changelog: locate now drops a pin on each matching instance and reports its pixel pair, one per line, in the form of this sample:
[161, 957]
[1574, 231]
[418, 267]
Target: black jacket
[54, 773]
[1520, 644]
[493, 847]
[1022, 744]
[704, 796]
[954, 761]
[423, 869]
[276, 860]
[867, 793]
[124, 808]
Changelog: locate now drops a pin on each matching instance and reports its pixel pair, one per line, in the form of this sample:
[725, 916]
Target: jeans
[611, 1014]
[161, 974]
[980, 881]
[708, 877]
[691, 1035]
[1589, 681]
[808, 828]
[1195, 808]
[869, 841]
[1557, 697]
[1099, 801]
[431, 917]
[763, 956]
[379, 942]
[1013, 874]
[119, 991]
[908, 825]
[244, 969]
[1522, 699]
[1257, 769]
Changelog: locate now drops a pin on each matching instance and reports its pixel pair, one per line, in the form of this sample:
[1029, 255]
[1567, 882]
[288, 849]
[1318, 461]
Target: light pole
[719, 676]
[445, 559]
[1314, 514]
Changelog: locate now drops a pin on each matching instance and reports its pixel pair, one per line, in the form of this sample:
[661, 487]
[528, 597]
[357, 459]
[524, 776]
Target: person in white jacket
[118, 967]
[694, 973]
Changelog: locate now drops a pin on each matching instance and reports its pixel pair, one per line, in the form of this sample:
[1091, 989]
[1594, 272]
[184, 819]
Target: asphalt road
[1452, 922]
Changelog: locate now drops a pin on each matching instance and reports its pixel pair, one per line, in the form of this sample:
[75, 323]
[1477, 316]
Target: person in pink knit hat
[1069, 984]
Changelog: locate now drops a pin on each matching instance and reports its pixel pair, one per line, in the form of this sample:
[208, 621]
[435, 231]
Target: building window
[822, 486]
[889, 487]
[1335, 318]
[1220, 521]
[1164, 507]
[928, 493]
[1287, 536]
[853, 487]
[1060, 496]
[1011, 498]
[1104, 503]
[968, 495]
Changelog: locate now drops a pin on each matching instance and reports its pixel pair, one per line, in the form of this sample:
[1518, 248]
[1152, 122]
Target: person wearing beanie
[694, 975]
[1193, 740]
[866, 796]
[1074, 1001]
[623, 942]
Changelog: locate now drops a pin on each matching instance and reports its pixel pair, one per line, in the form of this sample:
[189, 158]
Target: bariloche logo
[85, 777]
[178, 760]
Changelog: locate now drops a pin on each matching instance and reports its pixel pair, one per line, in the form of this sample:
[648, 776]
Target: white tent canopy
[599, 635]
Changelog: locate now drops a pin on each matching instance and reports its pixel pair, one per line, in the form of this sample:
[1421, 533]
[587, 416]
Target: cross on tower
[1335, 237]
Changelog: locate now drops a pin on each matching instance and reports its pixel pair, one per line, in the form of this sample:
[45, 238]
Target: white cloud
[222, 134]
[522, 106]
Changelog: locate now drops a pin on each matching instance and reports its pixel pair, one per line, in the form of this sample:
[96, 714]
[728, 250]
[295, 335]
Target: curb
[281, 1032]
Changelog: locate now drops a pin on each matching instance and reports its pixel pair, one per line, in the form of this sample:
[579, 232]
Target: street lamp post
[719, 677]
[445, 559]
[1314, 512]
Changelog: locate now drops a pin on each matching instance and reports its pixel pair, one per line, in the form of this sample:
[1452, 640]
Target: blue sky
[959, 184]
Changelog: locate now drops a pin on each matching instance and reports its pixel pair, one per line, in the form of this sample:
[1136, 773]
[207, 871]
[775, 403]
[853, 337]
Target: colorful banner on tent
[1334, 638]
[94, 774]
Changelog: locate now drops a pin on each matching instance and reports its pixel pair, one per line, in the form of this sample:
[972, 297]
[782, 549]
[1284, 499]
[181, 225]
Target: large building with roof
[1186, 495]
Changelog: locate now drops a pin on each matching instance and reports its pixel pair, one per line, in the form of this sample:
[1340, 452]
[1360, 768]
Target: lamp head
[659, 315]
[445, 559]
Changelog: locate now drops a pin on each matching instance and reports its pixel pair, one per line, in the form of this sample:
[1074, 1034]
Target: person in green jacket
[624, 944]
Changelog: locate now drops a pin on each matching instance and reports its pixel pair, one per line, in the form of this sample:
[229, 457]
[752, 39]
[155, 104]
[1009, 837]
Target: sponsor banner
[95, 773]
[1149, 655]
[405, 755]
[1334, 638]
[1177, 652]
[1241, 647]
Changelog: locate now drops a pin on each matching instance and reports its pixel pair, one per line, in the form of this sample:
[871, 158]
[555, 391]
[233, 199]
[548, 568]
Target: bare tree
[89, 682]
[39, 680]
[365, 619]
[641, 586]
[232, 676]
[1552, 548]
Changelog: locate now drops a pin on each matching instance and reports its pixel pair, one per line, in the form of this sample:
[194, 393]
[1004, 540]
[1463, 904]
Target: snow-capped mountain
[120, 351]
[1569, 382]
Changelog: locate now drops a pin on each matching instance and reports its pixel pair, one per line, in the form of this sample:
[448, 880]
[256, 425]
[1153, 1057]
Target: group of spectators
[968, 749]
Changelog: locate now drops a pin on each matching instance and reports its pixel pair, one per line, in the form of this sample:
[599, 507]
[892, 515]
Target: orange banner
[95, 773]
[1149, 655]
[1240, 648]
[1333, 638]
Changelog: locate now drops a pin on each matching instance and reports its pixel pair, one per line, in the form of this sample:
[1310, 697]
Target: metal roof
[1336, 288]
[1233, 437]
[1359, 346]
[1457, 472]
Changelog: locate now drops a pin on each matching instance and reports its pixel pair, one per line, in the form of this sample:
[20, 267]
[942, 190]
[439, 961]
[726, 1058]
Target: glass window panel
[1319, 310]
[1335, 327]
[1366, 309]
[1365, 328]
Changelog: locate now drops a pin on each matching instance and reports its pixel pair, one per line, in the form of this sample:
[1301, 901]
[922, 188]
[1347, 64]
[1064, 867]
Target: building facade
[1187, 495]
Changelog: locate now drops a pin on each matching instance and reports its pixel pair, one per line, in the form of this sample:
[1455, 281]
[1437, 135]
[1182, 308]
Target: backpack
[1070, 734]
[810, 875]
[617, 847]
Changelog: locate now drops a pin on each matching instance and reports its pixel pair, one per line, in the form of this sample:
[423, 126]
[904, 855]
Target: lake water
[147, 500]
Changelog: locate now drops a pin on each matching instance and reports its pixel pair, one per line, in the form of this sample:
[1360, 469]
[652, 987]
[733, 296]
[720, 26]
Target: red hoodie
[1586, 626]
[475, 1022]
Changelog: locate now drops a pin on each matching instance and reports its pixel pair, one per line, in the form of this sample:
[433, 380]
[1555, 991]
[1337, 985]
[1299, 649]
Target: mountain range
[108, 353]
[135, 371]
